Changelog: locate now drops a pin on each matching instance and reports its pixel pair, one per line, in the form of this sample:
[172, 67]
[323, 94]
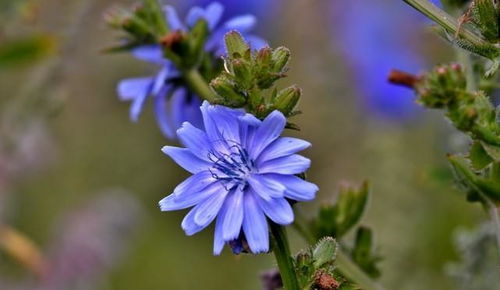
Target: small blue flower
[173, 103]
[243, 172]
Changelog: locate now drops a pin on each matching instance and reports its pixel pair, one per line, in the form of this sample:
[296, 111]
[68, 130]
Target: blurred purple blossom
[173, 103]
[375, 37]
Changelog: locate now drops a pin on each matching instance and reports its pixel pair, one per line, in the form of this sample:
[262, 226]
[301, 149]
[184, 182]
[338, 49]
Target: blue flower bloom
[173, 102]
[243, 172]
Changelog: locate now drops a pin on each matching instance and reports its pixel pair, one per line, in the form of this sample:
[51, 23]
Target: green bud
[287, 99]
[197, 38]
[280, 58]
[236, 45]
[324, 252]
[263, 58]
[225, 88]
[242, 72]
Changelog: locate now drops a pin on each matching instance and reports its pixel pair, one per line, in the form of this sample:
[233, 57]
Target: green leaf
[235, 44]
[336, 220]
[478, 156]
[26, 50]
[362, 253]
[476, 186]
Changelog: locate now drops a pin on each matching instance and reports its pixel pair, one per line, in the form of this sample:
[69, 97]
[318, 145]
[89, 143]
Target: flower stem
[199, 85]
[445, 20]
[281, 251]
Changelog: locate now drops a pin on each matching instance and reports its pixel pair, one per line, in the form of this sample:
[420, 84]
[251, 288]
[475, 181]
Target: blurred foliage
[25, 51]
[413, 209]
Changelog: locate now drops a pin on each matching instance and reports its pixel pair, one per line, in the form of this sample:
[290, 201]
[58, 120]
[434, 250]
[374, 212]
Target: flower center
[232, 168]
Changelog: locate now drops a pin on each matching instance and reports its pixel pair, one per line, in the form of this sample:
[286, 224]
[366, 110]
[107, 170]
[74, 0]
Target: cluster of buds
[478, 173]
[248, 79]
[143, 25]
[445, 87]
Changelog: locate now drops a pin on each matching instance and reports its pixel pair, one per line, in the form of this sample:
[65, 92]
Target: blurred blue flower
[174, 103]
[242, 172]
[376, 36]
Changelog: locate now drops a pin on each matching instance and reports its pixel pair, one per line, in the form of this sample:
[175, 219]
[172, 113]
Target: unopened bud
[280, 58]
[225, 88]
[242, 73]
[287, 99]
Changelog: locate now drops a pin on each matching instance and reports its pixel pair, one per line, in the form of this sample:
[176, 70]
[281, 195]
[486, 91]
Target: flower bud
[287, 99]
[225, 88]
[280, 58]
[242, 72]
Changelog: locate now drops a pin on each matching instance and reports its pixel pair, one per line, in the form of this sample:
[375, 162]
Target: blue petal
[160, 80]
[266, 187]
[241, 23]
[138, 104]
[282, 147]
[255, 225]
[255, 42]
[188, 198]
[129, 89]
[195, 140]
[213, 14]
[233, 215]
[208, 209]
[218, 239]
[196, 13]
[269, 130]
[174, 23]
[296, 188]
[150, 53]
[194, 183]
[161, 114]
[292, 164]
[277, 209]
[188, 224]
[221, 124]
[179, 107]
[186, 159]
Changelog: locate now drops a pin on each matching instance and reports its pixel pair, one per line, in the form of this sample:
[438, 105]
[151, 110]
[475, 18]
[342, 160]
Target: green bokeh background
[413, 210]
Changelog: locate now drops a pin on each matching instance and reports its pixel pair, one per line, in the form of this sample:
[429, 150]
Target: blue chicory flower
[243, 172]
[174, 103]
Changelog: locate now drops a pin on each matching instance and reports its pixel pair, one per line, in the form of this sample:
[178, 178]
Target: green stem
[199, 85]
[281, 251]
[353, 272]
[445, 20]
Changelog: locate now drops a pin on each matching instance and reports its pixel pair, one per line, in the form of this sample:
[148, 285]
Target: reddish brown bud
[402, 78]
[172, 39]
[324, 281]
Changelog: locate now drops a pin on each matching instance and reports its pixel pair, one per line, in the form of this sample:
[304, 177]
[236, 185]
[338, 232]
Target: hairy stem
[281, 251]
[445, 20]
[199, 85]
